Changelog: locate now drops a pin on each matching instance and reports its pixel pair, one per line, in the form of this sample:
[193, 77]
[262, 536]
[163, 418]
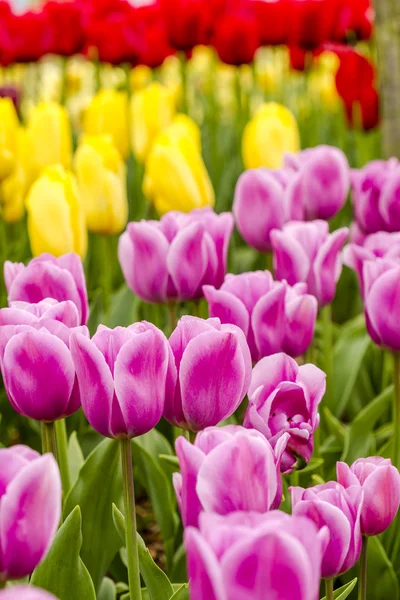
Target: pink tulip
[380, 483]
[260, 206]
[214, 369]
[322, 181]
[274, 316]
[124, 376]
[250, 556]
[307, 252]
[376, 196]
[25, 592]
[227, 469]
[171, 259]
[48, 277]
[333, 506]
[24, 313]
[377, 245]
[30, 509]
[284, 399]
[38, 371]
[381, 279]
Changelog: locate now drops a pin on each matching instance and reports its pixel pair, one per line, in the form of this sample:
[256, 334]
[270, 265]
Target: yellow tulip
[140, 77]
[101, 175]
[50, 136]
[271, 133]
[56, 219]
[15, 187]
[181, 127]
[107, 114]
[8, 136]
[152, 110]
[176, 177]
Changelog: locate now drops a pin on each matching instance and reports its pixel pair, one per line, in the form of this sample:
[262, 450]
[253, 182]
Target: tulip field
[200, 300]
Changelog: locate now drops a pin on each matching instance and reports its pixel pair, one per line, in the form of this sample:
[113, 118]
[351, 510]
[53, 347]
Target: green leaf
[359, 437]
[124, 308]
[75, 457]
[382, 580]
[99, 484]
[157, 583]
[182, 593]
[344, 591]
[62, 572]
[171, 460]
[108, 590]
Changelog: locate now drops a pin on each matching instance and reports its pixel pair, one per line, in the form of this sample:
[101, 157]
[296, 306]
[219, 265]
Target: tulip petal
[271, 371]
[268, 321]
[327, 267]
[381, 500]
[73, 263]
[187, 260]
[190, 461]
[313, 380]
[30, 512]
[290, 259]
[301, 315]
[226, 307]
[381, 307]
[203, 568]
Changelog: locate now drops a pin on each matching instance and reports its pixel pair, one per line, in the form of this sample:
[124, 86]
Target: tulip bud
[176, 177]
[8, 136]
[30, 510]
[48, 277]
[171, 259]
[152, 111]
[27, 592]
[101, 177]
[15, 187]
[56, 219]
[307, 252]
[380, 484]
[235, 25]
[50, 136]
[107, 114]
[257, 556]
[331, 505]
[124, 376]
[284, 399]
[214, 473]
[271, 133]
[24, 313]
[214, 369]
[273, 316]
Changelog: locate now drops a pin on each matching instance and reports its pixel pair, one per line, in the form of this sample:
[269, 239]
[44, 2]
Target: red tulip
[28, 38]
[272, 18]
[237, 37]
[311, 22]
[66, 23]
[188, 22]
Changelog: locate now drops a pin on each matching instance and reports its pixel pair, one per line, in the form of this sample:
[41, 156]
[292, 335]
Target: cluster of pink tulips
[239, 391]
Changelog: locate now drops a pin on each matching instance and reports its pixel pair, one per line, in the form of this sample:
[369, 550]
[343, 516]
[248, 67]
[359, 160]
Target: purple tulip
[24, 313]
[322, 181]
[227, 469]
[214, 369]
[377, 245]
[48, 277]
[171, 259]
[25, 592]
[339, 509]
[260, 205]
[274, 316]
[307, 252]
[284, 399]
[381, 279]
[376, 196]
[124, 377]
[249, 556]
[380, 483]
[38, 371]
[30, 509]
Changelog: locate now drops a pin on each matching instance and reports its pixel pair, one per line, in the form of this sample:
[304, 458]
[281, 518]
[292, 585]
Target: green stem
[362, 580]
[269, 262]
[172, 316]
[48, 438]
[184, 81]
[3, 585]
[311, 354]
[327, 341]
[64, 73]
[130, 520]
[396, 411]
[62, 450]
[329, 589]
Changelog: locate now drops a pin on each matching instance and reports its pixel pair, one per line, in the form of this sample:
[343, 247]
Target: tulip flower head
[101, 177]
[9, 125]
[25, 313]
[227, 469]
[56, 218]
[30, 510]
[46, 277]
[307, 252]
[214, 368]
[271, 133]
[284, 398]
[250, 555]
[331, 505]
[171, 259]
[124, 375]
[27, 592]
[379, 481]
[15, 187]
[50, 136]
[273, 316]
